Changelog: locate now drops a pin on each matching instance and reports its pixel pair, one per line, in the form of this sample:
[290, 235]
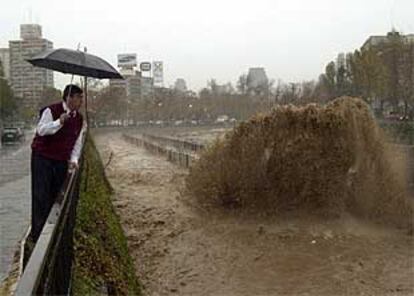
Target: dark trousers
[48, 176]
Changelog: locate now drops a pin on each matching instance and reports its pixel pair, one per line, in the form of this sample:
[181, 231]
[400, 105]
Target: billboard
[145, 66]
[158, 71]
[127, 60]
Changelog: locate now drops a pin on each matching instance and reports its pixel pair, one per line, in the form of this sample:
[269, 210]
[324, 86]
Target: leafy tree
[407, 76]
[391, 53]
[326, 87]
[307, 91]
[109, 104]
[8, 104]
[242, 84]
[50, 95]
[372, 75]
[213, 87]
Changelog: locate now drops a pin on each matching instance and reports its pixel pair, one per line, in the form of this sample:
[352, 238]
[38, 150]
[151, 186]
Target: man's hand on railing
[72, 167]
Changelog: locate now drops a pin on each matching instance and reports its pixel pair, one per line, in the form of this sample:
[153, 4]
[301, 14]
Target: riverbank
[102, 263]
[179, 250]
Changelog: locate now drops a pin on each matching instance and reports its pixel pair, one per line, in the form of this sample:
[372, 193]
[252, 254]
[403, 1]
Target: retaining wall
[153, 144]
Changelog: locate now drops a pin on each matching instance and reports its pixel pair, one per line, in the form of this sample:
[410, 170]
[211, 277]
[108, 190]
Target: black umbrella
[75, 62]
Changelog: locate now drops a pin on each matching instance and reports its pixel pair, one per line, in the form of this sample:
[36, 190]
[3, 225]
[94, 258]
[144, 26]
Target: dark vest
[58, 146]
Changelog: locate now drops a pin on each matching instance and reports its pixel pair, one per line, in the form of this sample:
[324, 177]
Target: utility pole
[86, 96]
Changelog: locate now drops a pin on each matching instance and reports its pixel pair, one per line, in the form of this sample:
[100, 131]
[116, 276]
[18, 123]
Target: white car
[222, 118]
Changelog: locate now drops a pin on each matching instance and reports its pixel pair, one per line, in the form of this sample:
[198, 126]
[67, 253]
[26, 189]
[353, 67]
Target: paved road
[15, 200]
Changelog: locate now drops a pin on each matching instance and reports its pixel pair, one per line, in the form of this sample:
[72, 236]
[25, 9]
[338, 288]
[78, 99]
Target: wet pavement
[15, 200]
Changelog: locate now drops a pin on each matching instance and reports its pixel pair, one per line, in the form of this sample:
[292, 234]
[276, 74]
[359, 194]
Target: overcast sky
[199, 40]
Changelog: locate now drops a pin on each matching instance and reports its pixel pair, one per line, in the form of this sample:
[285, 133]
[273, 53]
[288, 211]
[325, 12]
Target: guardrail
[180, 158]
[48, 270]
[177, 143]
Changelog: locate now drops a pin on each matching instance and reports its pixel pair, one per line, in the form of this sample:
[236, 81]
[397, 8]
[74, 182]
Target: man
[56, 149]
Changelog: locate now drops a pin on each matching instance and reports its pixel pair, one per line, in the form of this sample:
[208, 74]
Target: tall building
[158, 73]
[119, 84]
[257, 81]
[5, 62]
[133, 87]
[180, 85]
[29, 82]
[131, 84]
[147, 87]
[377, 40]
[135, 84]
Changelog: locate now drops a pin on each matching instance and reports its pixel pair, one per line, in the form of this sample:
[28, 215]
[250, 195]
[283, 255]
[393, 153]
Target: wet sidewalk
[15, 201]
[15, 218]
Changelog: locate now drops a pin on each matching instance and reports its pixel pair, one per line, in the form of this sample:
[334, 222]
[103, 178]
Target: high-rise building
[135, 85]
[257, 81]
[29, 82]
[131, 84]
[5, 62]
[147, 87]
[180, 85]
[119, 84]
[158, 73]
[378, 40]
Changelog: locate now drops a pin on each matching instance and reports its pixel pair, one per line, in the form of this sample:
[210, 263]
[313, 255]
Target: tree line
[8, 104]
[381, 73]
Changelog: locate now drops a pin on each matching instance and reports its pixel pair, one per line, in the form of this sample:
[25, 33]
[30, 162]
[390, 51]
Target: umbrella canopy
[75, 62]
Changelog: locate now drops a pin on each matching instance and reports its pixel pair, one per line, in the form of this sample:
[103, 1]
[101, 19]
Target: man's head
[73, 96]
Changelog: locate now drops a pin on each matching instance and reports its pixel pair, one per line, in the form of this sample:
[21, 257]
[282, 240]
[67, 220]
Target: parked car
[12, 135]
[222, 118]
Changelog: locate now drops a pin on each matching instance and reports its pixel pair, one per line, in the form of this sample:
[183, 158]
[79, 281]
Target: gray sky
[199, 40]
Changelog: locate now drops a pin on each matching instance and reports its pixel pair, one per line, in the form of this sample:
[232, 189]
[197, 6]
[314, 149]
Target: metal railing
[176, 143]
[153, 144]
[48, 270]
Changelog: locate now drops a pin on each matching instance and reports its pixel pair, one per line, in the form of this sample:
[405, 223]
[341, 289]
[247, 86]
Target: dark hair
[73, 89]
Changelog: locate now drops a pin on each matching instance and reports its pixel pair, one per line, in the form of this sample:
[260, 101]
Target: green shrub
[102, 262]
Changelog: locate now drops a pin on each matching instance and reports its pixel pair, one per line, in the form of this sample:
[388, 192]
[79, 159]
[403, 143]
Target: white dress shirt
[48, 126]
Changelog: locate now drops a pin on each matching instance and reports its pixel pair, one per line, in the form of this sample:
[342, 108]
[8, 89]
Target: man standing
[56, 148]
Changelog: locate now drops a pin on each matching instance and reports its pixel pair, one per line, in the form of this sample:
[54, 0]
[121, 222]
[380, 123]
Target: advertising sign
[127, 60]
[145, 66]
[158, 71]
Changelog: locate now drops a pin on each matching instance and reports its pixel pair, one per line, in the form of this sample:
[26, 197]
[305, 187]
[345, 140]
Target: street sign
[158, 71]
[145, 66]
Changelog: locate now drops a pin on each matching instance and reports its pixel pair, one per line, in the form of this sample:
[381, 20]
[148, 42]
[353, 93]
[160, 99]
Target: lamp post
[159, 110]
[190, 106]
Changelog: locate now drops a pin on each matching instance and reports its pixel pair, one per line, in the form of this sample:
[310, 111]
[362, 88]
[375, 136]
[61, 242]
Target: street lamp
[159, 110]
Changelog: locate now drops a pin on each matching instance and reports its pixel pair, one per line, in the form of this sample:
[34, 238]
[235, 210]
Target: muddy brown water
[180, 250]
